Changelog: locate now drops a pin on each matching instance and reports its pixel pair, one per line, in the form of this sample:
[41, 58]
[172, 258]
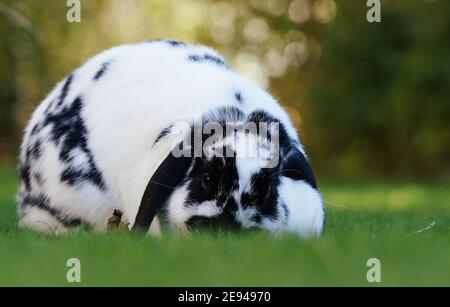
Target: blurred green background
[370, 99]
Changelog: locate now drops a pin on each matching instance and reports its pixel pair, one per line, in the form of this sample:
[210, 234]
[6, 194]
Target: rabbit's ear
[297, 167]
[167, 177]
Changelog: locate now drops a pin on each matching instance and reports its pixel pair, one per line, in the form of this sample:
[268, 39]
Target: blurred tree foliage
[369, 99]
[380, 95]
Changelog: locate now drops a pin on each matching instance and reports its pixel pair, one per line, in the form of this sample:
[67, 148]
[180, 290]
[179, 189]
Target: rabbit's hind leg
[35, 214]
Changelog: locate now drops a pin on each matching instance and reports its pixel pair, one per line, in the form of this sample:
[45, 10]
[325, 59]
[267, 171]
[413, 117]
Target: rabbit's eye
[206, 181]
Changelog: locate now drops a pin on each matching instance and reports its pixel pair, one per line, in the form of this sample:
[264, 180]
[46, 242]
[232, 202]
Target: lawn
[365, 219]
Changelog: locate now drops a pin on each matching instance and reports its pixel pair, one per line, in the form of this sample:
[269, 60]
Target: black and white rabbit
[104, 139]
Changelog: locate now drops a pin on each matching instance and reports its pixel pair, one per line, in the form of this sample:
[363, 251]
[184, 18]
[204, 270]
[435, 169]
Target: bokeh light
[299, 11]
[351, 87]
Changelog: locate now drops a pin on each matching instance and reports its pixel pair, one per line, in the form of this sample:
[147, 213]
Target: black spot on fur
[171, 42]
[25, 174]
[257, 218]
[42, 202]
[35, 151]
[224, 115]
[35, 129]
[38, 178]
[174, 43]
[71, 175]
[32, 153]
[266, 182]
[195, 58]
[69, 131]
[261, 116]
[59, 101]
[208, 58]
[65, 90]
[162, 134]
[222, 180]
[102, 71]
[286, 211]
[231, 205]
[238, 97]
[297, 167]
[214, 59]
[263, 194]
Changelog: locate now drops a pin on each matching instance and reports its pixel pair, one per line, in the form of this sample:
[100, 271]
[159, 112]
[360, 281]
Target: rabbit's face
[243, 190]
[247, 177]
[212, 184]
[228, 192]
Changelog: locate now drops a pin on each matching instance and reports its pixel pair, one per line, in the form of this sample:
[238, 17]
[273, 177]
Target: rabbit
[118, 134]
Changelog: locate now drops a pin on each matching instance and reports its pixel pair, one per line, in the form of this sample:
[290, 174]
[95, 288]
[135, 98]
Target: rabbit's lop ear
[171, 172]
[297, 167]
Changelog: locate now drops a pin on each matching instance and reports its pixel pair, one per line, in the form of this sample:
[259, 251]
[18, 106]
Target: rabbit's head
[241, 169]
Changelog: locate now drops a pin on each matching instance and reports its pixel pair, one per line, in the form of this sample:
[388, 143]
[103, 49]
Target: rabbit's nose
[225, 221]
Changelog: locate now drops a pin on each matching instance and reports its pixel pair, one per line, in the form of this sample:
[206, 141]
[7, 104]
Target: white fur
[177, 212]
[41, 221]
[306, 215]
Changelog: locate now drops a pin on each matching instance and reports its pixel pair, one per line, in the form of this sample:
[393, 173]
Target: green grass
[364, 220]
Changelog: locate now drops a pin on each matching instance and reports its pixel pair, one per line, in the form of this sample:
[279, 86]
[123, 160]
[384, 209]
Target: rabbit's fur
[102, 140]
